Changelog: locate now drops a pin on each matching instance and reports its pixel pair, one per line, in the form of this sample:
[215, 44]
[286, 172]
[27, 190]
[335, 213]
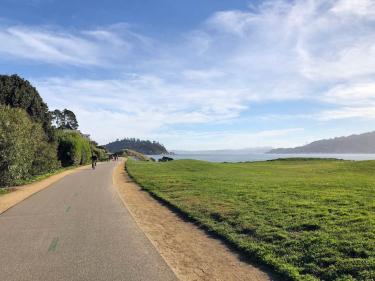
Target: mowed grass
[306, 219]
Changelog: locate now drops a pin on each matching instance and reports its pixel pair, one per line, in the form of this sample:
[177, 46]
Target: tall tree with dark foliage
[65, 119]
[19, 93]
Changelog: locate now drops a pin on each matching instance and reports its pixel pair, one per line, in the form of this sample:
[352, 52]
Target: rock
[165, 159]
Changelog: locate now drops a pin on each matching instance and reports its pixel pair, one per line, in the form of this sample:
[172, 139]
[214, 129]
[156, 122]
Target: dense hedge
[100, 153]
[73, 148]
[24, 150]
[45, 159]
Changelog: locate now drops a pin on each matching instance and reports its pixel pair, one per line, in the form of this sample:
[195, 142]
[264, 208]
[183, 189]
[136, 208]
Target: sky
[199, 74]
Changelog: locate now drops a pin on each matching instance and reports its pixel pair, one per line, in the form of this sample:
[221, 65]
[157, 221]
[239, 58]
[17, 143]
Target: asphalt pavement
[77, 229]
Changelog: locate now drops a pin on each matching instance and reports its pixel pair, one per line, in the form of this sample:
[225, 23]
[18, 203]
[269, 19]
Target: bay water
[263, 156]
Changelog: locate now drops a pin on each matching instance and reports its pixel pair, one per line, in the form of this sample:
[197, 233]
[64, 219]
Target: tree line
[143, 146]
[34, 140]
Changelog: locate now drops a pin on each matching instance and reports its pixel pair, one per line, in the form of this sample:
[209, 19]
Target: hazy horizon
[199, 75]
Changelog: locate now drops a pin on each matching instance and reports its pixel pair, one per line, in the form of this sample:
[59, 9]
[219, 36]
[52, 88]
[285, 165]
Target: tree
[19, 93]
[70, 119]
[56, 118]
[143, 146]
[65, 119]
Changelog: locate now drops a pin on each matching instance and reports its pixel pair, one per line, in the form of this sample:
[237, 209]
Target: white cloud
[365, 112]
[142, 94]
[236, 22]
[309, 50]
[360, 94]
[88, 48]
[203, 75]
[355, 100]
[361, 8]
[128, 108]
[44, 46]
[145, 104]
[299, 49]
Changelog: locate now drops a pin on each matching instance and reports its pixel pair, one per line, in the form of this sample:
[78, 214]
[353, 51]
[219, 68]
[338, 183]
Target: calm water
[262, 157]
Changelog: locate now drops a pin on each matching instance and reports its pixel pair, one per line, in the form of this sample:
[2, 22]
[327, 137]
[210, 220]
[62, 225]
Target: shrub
[73, 148]
[22, 147]
[99, 152]
[45, 159]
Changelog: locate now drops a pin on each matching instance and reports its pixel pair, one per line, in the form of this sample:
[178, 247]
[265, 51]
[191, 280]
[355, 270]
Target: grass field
[306, 219]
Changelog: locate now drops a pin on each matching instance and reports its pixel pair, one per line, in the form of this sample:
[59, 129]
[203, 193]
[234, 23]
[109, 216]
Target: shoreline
[256, 157]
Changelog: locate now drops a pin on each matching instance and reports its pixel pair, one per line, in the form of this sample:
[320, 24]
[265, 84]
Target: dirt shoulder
[189, 251]
[22, 192]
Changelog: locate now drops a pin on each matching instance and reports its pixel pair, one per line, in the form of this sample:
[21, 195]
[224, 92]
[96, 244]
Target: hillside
[143, 146]
[363, 143]
[135, 155]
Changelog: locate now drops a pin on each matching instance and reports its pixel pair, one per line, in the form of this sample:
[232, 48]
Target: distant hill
[143, 146]
[363, 143]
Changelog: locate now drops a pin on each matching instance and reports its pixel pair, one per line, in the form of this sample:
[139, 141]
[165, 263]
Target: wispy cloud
[322, 51]
[100, 47]
[355, 100]
[354, 94]
[46, 46]
[366, 112]
[359, 8]
[145, 98]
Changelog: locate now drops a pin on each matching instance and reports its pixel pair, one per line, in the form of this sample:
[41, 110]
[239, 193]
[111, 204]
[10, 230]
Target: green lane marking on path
[53, 245]
[67, 209]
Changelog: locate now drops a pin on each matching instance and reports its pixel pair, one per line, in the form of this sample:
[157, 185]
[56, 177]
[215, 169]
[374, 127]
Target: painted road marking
[67, 209]
[53, 245]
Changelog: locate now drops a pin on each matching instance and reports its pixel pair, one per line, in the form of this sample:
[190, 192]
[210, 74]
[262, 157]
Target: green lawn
[306, 219]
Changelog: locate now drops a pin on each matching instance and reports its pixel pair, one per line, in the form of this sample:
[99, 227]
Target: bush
[73, 148]
[22, 147]
[45, 159]
[100, 153]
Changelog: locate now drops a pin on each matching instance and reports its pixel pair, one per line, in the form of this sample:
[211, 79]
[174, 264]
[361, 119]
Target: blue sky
[204, 74]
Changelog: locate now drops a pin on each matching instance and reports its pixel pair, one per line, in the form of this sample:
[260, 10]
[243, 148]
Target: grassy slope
[136, 154]
[307, 219]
